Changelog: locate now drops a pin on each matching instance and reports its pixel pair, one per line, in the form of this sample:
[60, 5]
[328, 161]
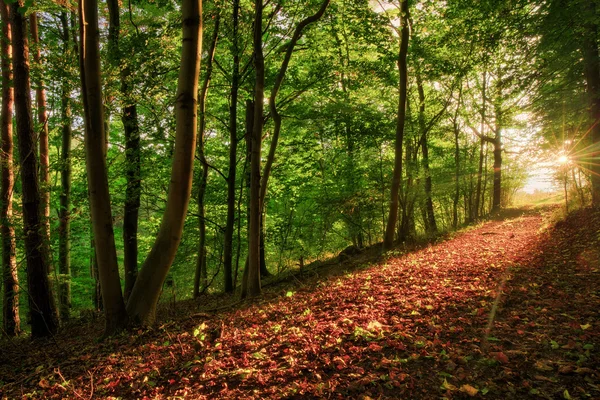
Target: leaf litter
[505, 310]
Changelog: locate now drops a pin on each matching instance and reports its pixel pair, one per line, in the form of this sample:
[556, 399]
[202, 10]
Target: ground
[504, 310]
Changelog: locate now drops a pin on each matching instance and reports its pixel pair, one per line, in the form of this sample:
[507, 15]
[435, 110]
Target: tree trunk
[100, 208]
[497, 172]
[591, 57]
[44, 321]
[144, 297]
[201, 275]
[430, 215]
[42, 116]
[456, 163]
[11, 323]
[397, 177]
[132, 151]
[251, 281]
[478, 197]
[64, 213]
[233, 142]
[277, 125]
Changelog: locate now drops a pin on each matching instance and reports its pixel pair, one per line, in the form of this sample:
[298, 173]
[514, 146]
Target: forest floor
[508, 309]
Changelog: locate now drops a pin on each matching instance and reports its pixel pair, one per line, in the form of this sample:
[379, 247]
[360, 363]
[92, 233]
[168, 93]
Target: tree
[129, 117]
[64, 212]
[251, 281]
[100, 208]
[10, 310]
[142, 303]
[591, 60]
[388, 240]
[201, 273]
[44, 321]
[42, 117]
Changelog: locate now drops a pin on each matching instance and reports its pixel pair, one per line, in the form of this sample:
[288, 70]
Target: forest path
[412, 327]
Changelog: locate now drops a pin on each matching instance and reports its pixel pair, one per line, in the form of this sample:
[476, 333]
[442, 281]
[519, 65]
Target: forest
[178, 175]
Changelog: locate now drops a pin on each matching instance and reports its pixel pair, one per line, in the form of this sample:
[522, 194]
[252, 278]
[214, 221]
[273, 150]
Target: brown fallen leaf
[470, 390]
[542, 366]
[566, 369]
[582, 370]
[544, 378]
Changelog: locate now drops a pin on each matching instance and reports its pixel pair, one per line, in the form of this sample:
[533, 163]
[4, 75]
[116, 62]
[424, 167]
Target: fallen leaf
[500, 357]
[470, 390]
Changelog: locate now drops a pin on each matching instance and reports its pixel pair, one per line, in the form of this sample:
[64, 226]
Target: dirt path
[500, 311]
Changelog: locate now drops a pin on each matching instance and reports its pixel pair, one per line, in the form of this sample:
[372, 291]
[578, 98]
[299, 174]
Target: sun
[563, 159]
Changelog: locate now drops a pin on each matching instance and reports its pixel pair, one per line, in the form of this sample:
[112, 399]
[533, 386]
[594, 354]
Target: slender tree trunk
[277, 126]
[251, 282]
[497, 172]
[233, 142]
[100, 208]
[144, 297]
[64, 213]
[388, 241]
[132, 150]
[42, 116]
[11, 322]
[591, 56]
[430, 215]
[249, 126]
[201, 275]
[44, 321]
[456, 163]
[478, 199]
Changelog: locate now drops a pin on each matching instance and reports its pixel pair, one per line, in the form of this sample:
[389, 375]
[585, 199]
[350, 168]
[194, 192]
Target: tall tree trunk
[100, 208]
[132, 150]
[233, 142]
[277, 125]
[456, 163]
[11, 322]
[388, 241]
[42, 116]
[591, 56]
[478, 196]
[430, 215]
[201, 275]
[64, 213]
[144, 297]
[44, 320]
[251, 281]
[497, 172]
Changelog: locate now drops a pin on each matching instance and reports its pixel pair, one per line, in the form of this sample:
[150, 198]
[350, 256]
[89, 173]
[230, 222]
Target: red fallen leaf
[375, 347]
[500, 357]
[113, 383]
[172, 381]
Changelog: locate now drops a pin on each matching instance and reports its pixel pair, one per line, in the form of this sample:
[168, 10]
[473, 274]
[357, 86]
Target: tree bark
[397, 177]
[251, 282]
[131, 129]
[591, 57]
[11, 322]
[456, 163]
[42, 116]
[64, 213]
[100, 208]
[233, 142]
[141, 306]
[430, 215]
[201, 275]
[44, 320]
[478, 196]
